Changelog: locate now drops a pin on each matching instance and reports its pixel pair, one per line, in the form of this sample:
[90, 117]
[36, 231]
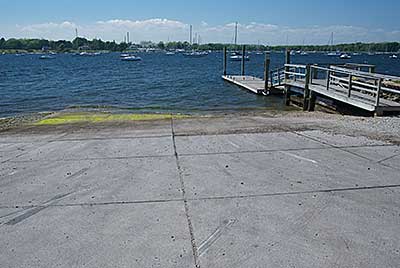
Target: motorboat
[195, 54]
[345, 56]
[333, 54]
[170, 53]
[394, 56]
[89, 54]
[46, 57]
[236, 56]
[239, 58]
[131, 58]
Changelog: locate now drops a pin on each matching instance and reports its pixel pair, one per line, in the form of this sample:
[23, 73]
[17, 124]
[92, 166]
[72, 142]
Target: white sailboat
[194, 53]
[237, 56]
[332, 53]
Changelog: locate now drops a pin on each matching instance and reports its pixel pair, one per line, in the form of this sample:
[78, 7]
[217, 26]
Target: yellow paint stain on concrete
[99, 118]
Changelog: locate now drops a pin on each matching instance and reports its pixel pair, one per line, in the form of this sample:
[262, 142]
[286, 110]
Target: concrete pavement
[245, 191]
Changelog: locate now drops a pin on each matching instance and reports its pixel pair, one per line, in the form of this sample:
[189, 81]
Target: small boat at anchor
[131, 58]
[47, 57]
[195, 54]
[345, 56]
[236, 56]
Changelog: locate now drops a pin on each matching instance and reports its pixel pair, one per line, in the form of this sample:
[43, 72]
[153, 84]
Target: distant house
[45, 48]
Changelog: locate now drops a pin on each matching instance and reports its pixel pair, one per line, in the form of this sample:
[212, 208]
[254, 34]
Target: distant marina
[162, 81]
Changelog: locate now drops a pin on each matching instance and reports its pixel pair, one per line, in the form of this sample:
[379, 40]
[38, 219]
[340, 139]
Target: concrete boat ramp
[236, 191]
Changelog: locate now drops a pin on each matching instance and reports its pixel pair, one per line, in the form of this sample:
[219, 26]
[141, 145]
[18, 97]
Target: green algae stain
[99, 118]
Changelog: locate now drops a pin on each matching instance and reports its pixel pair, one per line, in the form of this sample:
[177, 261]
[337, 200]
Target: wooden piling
[350, 86]
[312, 101]
[243, 57]
[266, 70]
[378, 92]
[287, 88]
[306, 93]
[225, 61]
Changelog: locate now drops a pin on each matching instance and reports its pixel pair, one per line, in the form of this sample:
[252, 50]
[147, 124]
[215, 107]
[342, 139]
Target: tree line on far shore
[98, 45]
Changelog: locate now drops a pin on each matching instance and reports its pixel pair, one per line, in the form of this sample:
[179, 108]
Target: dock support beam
[378, 112]
[266, 71]
[306, 93]
[225, 60]
[287, 88]
[243, 57]
[311, 102]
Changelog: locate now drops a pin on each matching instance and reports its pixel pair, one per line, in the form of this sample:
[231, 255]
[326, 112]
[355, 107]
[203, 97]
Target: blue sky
[271, 22]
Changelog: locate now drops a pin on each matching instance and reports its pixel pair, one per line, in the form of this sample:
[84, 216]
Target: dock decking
[254, 84]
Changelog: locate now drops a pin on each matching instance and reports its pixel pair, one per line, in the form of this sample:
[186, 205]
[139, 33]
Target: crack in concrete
[185, 201]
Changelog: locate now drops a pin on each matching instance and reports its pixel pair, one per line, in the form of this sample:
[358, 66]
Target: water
[159, 83]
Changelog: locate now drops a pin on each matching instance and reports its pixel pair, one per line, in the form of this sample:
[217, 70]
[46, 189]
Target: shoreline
[378, 128]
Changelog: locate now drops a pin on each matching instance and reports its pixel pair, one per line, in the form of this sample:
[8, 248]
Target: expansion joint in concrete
[185, 201]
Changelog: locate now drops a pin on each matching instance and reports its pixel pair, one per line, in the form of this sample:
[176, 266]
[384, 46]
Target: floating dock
[254, 84]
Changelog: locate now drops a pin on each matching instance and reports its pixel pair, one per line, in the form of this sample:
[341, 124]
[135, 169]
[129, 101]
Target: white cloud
[157, 29]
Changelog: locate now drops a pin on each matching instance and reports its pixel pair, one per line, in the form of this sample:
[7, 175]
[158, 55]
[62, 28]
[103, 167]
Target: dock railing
[361, 85]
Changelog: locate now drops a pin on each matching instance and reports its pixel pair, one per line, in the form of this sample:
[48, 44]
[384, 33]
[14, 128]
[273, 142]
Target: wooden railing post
[371, 69]
[266, 71]
[350, 85]
[287, 87]
[225, 61]
[243, 57]
[378, 93]
[279, 77]
[315, 73]
[328, 80]
[306, 93]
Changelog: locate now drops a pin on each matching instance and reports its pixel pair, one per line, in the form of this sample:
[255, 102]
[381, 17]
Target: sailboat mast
[190, 35]
[236, 33]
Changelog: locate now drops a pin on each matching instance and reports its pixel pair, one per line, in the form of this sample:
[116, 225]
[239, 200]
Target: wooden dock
[365, 90]
[251, 83]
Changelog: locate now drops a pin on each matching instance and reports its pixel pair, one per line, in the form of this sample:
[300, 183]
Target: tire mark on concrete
[36, 210]
[223, 228]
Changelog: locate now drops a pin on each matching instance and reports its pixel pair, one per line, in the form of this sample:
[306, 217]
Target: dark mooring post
[287, 88]
[243, 57]
[266, 71]
[306, 94]
[224, 71]
[312, 100]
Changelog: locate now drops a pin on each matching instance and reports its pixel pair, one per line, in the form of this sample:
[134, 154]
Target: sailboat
[332, 53]
[237, 56]
[194, 53]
